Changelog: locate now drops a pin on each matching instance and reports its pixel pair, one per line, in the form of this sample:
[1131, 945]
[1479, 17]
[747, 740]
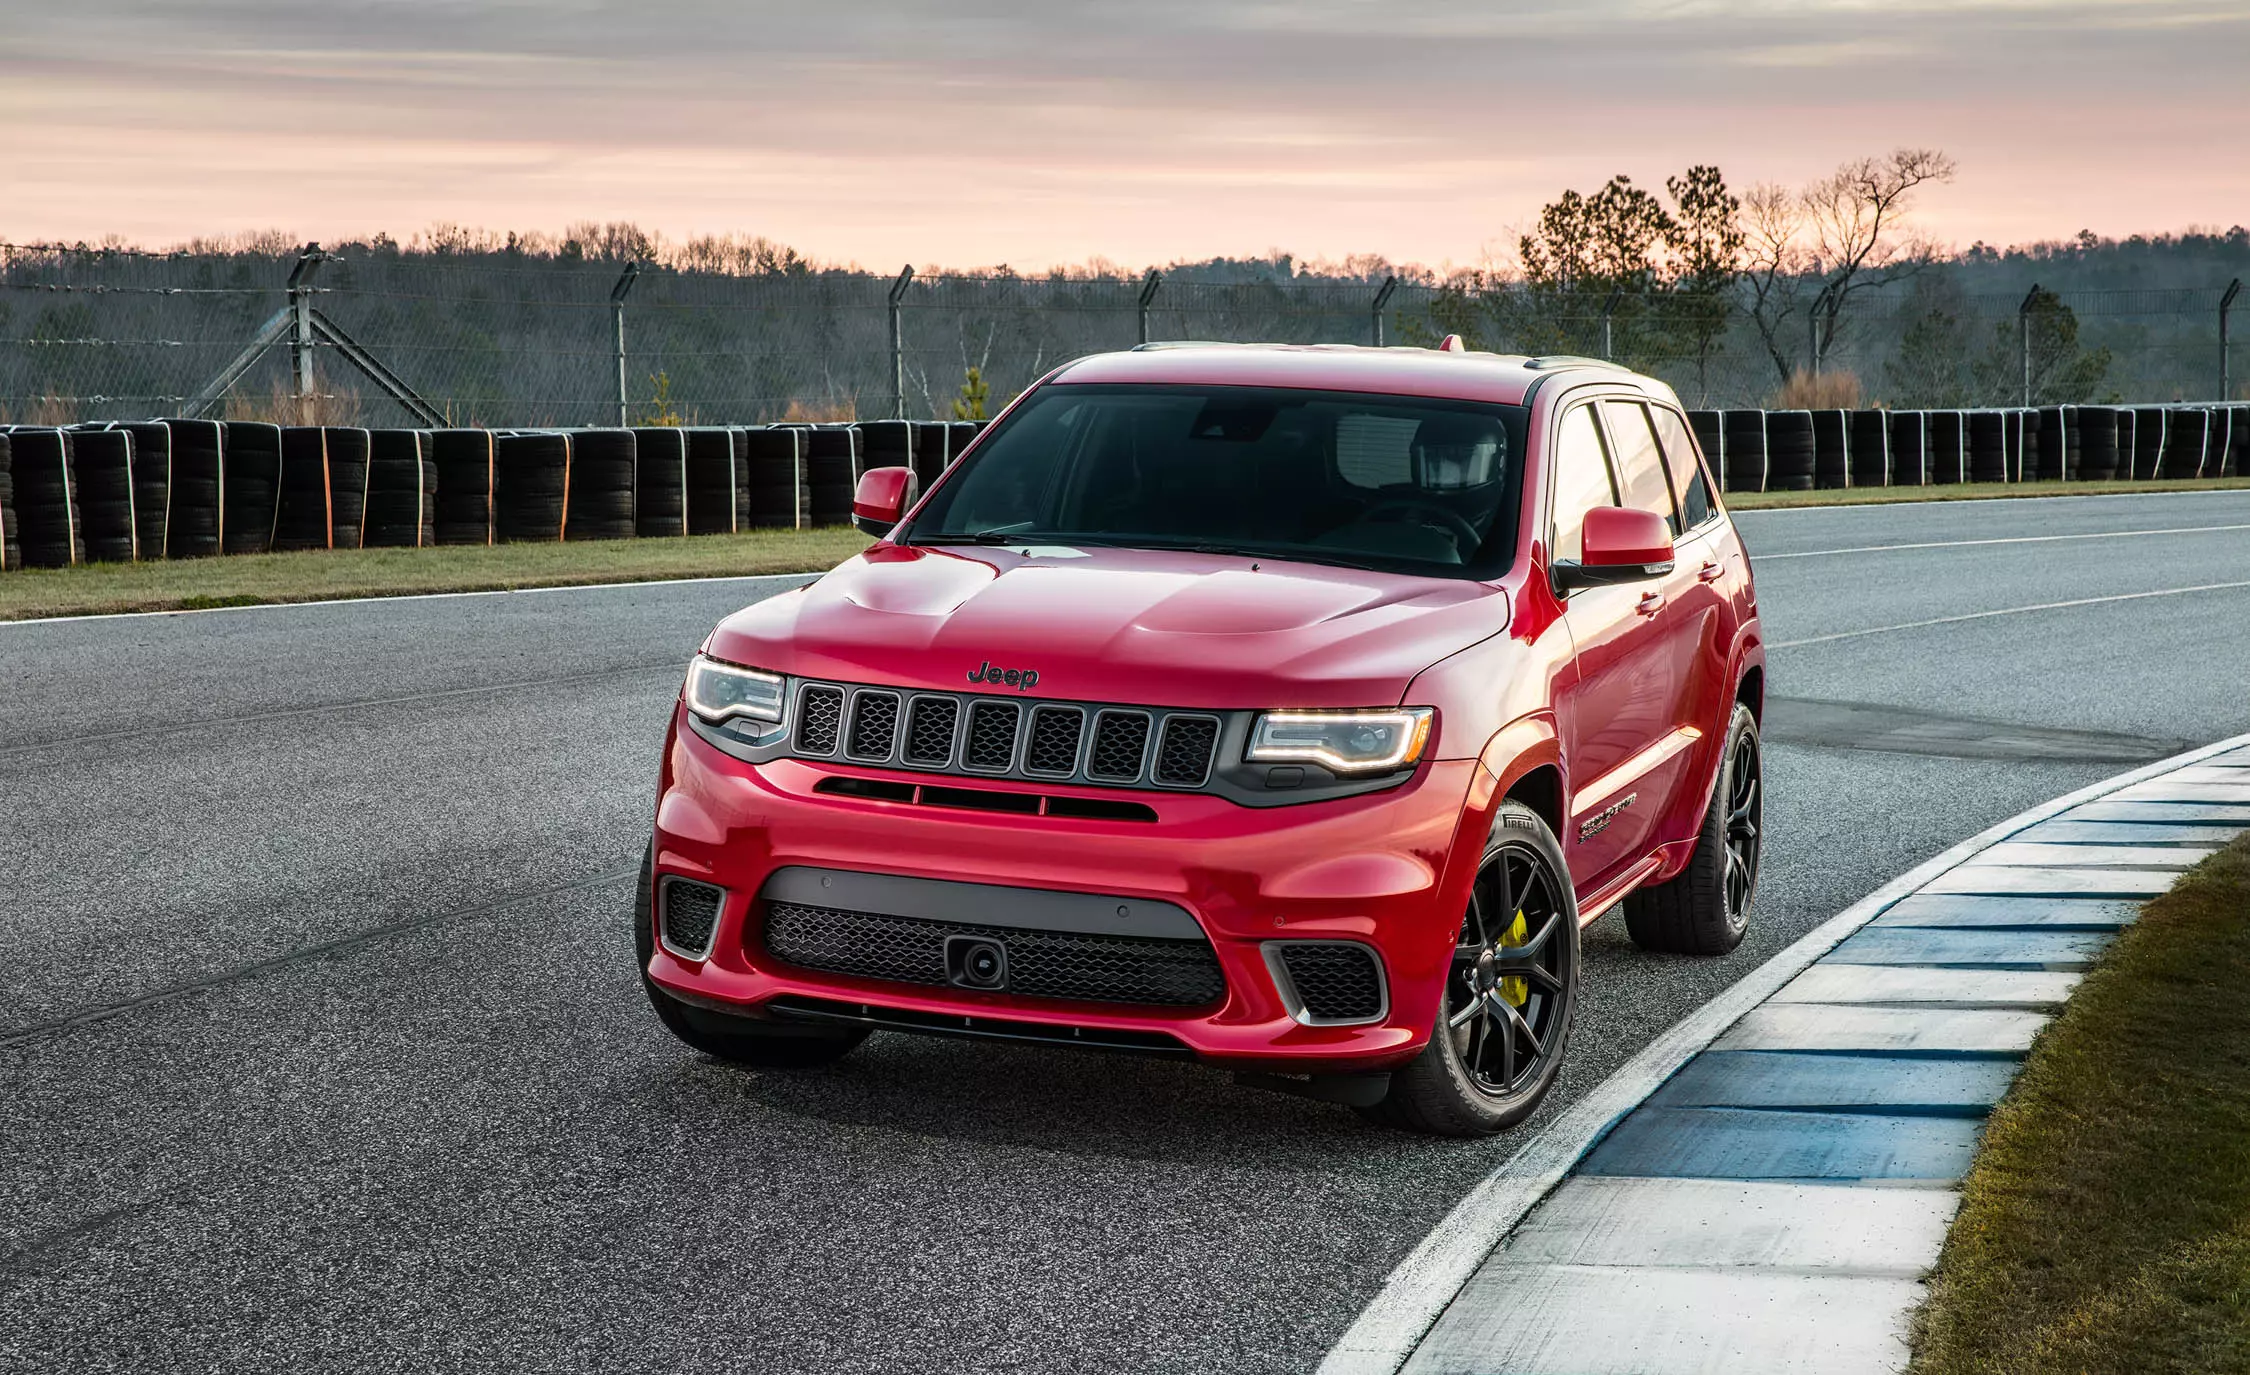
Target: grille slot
[820, 718]
[1041, 964]
[991, 743]
[1183, 752]
[929, 731]
[1053, 748]
[874, 725]
[691, 915]
[1120, 743]
[1333, 982]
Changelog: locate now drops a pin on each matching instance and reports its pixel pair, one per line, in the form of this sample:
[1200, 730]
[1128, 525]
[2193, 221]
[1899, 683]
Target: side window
[1687, 474]
[1581, 480]
[1640, 464]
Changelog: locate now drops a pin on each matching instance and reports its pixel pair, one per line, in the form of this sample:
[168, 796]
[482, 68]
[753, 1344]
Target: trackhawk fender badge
[1594, 825]
[1021, 679]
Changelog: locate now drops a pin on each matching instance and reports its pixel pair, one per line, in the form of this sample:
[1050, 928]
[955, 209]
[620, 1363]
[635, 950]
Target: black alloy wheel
[1511, 992]
[1746, 814]
[1705, 908]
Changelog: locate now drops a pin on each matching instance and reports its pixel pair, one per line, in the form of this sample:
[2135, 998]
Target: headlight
[1342, 741]
[716, 691]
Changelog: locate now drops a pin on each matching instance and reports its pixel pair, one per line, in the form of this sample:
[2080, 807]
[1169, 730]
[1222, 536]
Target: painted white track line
[2009, 611]
[1421, 1286]
[382, 599]
[2010, 539]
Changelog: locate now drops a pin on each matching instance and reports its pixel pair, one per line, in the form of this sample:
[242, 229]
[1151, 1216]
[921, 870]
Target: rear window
[1325, 477]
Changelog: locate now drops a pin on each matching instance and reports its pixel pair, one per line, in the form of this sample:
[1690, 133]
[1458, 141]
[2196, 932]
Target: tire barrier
[101, 475]
[530, 486]
[1946, 447]
[740, 437]
[1909, 440]
[2128, 430]
[832, 469]
[2184, 444]
[198, 489]
[777, 477]
[11, 537]
[1710, 436]
[2050, 446]
[713, 487]
[465, 485]
[253, 451]
[602, 484]
[2238, 443]
[347, 486]
[886, 444]
[47, 529]
[1868, 444]
[1743, 438]
[152, 485]
[1987, 447]
[401, 491]
[1789, 451]
[933, 450]
[2097, 442]
[2151, 435]
[302, 519]
[660, 482]
[1832, 449]
[965, 433]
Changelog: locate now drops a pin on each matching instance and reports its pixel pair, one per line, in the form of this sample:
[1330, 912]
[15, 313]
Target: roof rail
[1571, 360]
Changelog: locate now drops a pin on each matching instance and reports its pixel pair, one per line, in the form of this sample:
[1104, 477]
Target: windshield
[1328, 477]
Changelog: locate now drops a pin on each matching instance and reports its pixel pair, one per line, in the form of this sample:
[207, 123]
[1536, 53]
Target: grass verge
[324, 575]
[1977, 491]
[2105, 1226]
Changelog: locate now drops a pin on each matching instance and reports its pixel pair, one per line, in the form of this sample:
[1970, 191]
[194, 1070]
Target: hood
[1152, 627]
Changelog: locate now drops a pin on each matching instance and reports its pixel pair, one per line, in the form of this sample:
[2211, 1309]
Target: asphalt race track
[321, 1048]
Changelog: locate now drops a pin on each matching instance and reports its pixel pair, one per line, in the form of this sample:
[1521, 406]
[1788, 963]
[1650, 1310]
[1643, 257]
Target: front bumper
[1379, 868]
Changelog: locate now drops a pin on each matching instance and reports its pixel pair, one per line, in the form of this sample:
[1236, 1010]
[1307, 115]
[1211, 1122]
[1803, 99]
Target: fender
[1526, 743]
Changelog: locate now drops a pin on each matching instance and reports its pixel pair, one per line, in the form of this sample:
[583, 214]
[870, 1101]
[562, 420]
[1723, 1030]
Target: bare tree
[1843, 236]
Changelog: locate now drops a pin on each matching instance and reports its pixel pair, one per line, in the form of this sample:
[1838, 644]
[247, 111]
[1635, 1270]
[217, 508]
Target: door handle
[1650, 604]
[1711, 571]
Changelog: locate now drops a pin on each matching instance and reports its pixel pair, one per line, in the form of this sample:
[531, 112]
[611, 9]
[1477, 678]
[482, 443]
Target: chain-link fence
[380, 336]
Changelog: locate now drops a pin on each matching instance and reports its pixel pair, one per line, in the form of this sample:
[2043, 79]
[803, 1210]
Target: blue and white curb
[1763, 1187]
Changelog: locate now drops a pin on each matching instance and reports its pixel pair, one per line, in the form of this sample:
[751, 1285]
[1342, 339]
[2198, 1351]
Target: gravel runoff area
[322, 1050]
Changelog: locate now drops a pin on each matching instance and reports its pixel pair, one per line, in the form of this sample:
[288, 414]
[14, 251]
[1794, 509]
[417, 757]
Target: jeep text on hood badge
[1021, 679]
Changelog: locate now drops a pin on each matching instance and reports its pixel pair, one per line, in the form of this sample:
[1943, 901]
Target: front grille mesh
[1183, 755]
[1336, 983]
[1041, 964]
[1054, 740]
[929, 731]
[691, 913]
[874, 724]
[992, 736]
[1026, 739]
[820, 717]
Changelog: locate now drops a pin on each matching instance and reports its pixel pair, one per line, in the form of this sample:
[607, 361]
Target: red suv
[1289, 708]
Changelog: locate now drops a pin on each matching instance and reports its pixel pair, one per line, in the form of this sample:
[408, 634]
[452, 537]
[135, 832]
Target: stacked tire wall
[464, 462]
[348, 452]
[660, 482]
[46, 500]
[602, 485]
[196, 528]
[253, 486]
[401, 491]
[530, 486]
[11, 537]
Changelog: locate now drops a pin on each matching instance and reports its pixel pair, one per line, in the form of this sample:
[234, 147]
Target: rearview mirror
[881, 499]
[1619, 545]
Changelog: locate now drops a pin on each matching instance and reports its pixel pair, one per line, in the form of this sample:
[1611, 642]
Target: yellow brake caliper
[1514, 990]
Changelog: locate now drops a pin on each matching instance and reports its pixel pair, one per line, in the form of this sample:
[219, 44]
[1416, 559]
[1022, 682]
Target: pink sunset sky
[966, 134]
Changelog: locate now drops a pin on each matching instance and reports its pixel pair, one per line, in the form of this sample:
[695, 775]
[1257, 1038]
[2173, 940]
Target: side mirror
[882, 498]
[1619, 545]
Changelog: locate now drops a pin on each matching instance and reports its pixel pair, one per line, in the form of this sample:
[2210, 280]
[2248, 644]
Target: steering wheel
[1407, 510]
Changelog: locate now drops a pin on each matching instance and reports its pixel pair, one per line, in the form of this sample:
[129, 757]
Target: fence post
[898, 344]
[2023, 339]
[309, 260]
[1609, 317]
[1149, 284]
[2226, 369]
[617, 296]
[1383, 299]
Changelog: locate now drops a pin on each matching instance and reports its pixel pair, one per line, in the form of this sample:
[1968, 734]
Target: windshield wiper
[974, 537]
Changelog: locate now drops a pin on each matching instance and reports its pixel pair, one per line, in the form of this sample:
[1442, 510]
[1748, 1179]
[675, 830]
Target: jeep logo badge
[1021, 679]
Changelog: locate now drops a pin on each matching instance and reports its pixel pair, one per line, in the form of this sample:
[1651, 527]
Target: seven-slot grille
[997, 737]
[1041, 964]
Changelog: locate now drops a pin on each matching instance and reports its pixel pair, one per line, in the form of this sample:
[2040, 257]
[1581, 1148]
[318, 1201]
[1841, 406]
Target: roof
[1505, 378]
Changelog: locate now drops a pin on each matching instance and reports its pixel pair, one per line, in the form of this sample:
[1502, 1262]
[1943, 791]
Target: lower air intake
[1333, 982]
[691, 915]
[1041, 964]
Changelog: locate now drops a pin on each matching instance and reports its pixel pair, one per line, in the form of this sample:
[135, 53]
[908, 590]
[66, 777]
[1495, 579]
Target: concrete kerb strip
[1419, 1289]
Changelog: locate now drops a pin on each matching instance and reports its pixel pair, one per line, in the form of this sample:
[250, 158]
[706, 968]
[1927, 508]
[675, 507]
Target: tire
[1450, 1089]
[1706, 909]
[741, 1040]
